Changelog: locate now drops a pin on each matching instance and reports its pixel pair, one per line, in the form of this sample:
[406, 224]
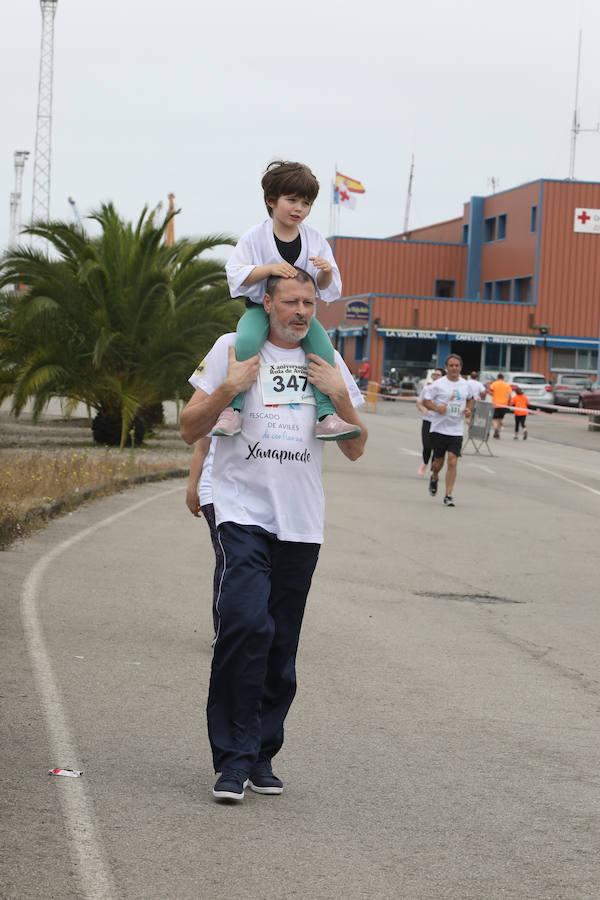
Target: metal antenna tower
[43, 133]
[15, 198]
[577, 129]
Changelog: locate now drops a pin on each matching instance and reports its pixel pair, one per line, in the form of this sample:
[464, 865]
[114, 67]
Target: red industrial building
[513, 284]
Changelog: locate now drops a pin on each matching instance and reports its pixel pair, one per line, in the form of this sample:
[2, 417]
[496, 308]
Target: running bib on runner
[285, 383]
[455, 408]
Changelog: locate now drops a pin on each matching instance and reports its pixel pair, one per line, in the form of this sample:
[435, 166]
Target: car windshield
[529, 379]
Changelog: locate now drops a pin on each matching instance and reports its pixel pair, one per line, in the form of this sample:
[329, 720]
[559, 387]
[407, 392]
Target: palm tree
[116, 321]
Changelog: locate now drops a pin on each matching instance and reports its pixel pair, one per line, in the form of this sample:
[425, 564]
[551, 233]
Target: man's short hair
[474, 373]
[301, 276]
[287, 178]
[454, 356]
[501, 376]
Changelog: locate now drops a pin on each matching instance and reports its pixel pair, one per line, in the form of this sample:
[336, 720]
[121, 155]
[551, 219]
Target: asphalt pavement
[444, 742]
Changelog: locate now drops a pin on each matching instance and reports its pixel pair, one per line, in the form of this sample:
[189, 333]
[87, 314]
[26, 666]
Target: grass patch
[37, 485]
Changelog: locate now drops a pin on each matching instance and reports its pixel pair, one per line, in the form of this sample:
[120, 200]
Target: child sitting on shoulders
[275, 247]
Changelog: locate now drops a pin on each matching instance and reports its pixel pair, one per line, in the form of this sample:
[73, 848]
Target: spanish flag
[350, 184]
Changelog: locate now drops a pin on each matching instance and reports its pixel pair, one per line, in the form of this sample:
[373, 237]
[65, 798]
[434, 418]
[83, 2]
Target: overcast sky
[196, 98]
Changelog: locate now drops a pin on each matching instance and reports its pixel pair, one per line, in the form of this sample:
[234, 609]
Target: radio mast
[576, 128]
[16, 197]
[42, 166]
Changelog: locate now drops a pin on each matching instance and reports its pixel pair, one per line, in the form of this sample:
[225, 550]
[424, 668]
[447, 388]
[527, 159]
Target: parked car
[568, 388]
[408, 388]
[536, 386]
[590, 398]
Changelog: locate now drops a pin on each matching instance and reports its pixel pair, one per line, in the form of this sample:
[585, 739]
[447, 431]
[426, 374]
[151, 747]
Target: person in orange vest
[500, 393]
[520, 404]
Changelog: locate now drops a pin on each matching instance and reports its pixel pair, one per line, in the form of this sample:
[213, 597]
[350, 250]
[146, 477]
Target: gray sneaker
[332, 428]
[228, 423]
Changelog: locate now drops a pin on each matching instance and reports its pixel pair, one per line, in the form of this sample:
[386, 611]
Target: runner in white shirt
[478, 388]
[451, 399]
[428, 415]
[269, 509]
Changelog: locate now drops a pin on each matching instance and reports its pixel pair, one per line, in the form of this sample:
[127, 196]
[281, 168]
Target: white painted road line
[410, 452]
[483, 468]
[585, 487]
[87, 853]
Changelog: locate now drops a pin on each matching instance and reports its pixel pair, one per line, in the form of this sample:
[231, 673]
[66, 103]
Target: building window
[583, 360]
[523, 290]
[444, 288]
[505, 358]
[359, 347]
[518, 358]
[489, 230]
[534, 218]
[502, 291]
[495, 356]
[465, 234]
[488, 290]
[502, 227]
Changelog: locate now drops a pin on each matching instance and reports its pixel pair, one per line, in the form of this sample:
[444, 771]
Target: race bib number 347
[285, 383]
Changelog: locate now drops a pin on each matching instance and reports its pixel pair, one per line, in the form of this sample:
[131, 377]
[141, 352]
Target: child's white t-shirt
[257, 247]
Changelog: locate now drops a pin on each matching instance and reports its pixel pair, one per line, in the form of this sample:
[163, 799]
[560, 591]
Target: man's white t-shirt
[270, 474]
[454, 394]
[205, 492]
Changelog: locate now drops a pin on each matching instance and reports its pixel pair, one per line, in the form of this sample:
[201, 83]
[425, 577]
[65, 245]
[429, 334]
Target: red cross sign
[586, 220]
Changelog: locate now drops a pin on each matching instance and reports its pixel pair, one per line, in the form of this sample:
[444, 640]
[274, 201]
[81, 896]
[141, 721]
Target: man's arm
[439, 408]
[202, 411]
[330, 381]
[201, 449]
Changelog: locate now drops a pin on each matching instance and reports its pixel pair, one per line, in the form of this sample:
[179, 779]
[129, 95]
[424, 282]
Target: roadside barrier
[539, 407]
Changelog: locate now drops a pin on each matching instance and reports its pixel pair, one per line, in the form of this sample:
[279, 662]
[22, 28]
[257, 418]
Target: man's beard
[286, 332]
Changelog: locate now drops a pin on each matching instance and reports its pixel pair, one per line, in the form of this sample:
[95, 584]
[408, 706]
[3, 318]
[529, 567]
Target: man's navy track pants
[260, 607]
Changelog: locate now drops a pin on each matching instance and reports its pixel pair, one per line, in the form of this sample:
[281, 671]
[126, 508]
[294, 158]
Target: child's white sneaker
[332, 428]
[228, 423]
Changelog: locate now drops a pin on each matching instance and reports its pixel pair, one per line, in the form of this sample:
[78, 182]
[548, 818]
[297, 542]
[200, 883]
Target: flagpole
[331, 189]
[332, 206]
[336, 209]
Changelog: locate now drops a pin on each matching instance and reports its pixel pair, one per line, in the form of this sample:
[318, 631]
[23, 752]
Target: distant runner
[479, 389]
[451, 400]
[426, 423]
[500, 393]
[520, 402]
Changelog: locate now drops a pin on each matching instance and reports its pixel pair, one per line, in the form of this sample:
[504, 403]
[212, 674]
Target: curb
[48, 511]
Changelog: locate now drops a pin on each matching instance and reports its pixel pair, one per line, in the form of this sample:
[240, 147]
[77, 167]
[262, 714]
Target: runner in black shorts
[445, 443]
[451, 399]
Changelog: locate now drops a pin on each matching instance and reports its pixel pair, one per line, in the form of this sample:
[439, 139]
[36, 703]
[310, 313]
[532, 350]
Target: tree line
[116, 321]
